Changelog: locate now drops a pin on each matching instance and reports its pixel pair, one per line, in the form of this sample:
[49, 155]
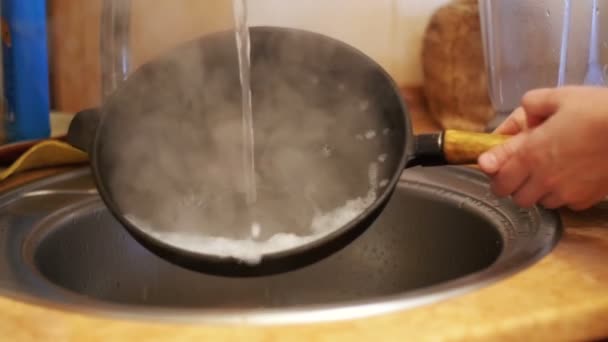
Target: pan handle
[83, 128]
[454, 147]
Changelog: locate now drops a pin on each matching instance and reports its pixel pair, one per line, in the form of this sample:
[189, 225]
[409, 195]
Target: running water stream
[243, 45]
[563, 53]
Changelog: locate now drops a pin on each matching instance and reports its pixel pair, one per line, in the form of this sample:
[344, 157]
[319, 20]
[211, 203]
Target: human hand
[558, 154]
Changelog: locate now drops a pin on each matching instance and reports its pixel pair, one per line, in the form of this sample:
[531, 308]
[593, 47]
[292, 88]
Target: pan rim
[201, 260]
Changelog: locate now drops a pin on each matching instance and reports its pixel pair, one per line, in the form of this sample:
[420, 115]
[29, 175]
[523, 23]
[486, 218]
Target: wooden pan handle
[461, 147]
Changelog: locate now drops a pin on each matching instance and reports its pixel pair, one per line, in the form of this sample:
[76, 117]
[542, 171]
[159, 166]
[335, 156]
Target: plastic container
[25, 89]
[541, 43]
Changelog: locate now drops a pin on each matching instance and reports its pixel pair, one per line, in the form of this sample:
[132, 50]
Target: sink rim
[311, 314]
[301, 314]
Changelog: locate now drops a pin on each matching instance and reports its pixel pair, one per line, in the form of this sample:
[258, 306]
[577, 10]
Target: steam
[175, 156]
[251, 251]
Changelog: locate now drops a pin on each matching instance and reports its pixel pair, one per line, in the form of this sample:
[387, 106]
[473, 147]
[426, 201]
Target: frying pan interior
[330, 132]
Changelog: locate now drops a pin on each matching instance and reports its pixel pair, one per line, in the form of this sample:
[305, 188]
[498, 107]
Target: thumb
[492, 160]
[513, 124]
[539, 104]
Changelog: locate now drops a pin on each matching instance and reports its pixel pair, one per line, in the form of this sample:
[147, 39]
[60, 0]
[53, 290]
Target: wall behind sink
[388, 30]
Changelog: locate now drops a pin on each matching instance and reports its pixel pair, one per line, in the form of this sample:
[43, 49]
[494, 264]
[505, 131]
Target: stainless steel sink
[441, 235]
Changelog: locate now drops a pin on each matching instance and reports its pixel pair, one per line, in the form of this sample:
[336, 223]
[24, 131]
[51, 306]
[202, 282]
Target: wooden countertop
[562, 297]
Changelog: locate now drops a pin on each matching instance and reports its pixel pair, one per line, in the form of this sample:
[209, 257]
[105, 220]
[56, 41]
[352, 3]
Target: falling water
[244, 53]
[563, 54]
[594, 75]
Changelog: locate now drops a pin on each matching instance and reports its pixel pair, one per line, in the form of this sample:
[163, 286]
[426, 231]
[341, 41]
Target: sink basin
[441, 235]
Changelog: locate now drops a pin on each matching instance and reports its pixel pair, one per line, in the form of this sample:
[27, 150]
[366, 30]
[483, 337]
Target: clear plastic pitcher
[133, 32]
[542, 43]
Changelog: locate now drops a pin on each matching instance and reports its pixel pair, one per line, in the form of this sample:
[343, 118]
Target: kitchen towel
[47, 153]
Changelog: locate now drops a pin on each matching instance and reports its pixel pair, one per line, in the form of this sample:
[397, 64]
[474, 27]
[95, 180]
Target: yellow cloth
[47, 153]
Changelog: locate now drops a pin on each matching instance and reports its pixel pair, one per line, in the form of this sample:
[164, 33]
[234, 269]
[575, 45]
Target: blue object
[25, 70]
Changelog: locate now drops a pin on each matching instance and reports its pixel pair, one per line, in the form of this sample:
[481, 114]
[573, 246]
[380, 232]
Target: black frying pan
[330, 127]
